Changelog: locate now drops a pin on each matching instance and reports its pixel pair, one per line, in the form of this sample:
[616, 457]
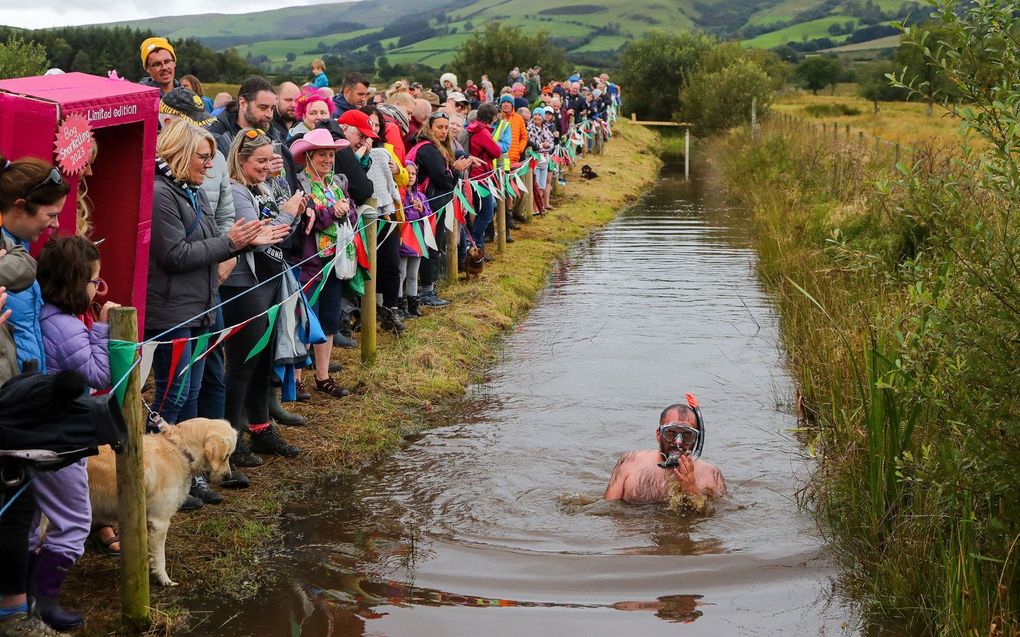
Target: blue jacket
[320, 80]
[71, 345]
[25, 307]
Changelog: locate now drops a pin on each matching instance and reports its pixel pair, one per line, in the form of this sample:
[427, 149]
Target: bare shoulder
[710, 478]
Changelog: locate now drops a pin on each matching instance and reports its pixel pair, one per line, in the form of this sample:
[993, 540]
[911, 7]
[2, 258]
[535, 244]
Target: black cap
[184, 102]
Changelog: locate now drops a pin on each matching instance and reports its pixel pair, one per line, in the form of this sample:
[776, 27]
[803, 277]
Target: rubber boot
[412, 307]
[279, 413]
[48, 574]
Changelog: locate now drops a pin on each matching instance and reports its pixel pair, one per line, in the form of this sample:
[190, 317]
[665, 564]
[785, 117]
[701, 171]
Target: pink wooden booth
[122, 116]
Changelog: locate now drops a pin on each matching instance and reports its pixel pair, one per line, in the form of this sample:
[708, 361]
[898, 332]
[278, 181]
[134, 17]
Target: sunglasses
[253, 133]
[54, 178]
[438, 115]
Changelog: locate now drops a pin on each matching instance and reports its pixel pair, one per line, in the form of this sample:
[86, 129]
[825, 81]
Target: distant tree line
[98, 50]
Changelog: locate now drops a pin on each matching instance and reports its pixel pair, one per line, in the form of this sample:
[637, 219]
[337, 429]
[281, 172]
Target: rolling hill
[429, 31]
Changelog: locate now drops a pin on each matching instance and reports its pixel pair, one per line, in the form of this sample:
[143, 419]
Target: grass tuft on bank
[900, 313]
[416, 382]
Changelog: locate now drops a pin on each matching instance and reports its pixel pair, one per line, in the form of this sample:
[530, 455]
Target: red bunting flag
[177, 350]
[409, 239]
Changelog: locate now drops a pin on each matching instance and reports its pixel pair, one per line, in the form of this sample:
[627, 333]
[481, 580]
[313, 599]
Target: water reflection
[495, 525]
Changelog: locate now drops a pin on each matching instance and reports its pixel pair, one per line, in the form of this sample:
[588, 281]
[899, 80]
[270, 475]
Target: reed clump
[899, 295]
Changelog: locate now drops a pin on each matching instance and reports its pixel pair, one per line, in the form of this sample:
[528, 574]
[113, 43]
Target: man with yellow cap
[160, 61]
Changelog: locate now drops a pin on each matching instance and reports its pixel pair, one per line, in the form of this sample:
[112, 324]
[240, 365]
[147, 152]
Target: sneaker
[201, 490]
[302, 393]
[26, 625]
[390, 321]
[243, 456]
[431, 300]
[270, 442]
[191, 503]
[235, 480]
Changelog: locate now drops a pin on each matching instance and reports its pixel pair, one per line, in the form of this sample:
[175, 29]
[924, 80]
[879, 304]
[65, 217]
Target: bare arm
[616, 482]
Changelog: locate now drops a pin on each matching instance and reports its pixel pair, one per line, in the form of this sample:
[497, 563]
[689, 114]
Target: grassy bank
[416, 381]
[897, 291]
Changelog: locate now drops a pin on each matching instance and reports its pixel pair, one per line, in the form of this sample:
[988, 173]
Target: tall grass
[897, 306]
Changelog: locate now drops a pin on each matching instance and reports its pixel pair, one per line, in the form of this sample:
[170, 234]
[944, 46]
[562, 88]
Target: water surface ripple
[494, 525]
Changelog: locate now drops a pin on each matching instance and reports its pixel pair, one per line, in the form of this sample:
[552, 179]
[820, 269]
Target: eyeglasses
[163, 64]
[101, 287]
[207, 158]
[54, 178]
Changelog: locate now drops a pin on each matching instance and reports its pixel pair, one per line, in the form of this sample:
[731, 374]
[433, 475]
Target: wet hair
[19, 177]
[65, 269]
[486, 113]
[196, 86]
[684, 414]
[245, 143]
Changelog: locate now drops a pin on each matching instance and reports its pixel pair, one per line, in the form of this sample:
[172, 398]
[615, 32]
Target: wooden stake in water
[369, 337]
[134, 551]
[687, 153]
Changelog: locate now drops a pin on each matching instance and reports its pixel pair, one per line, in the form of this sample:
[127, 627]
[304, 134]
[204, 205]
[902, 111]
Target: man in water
[674, 471]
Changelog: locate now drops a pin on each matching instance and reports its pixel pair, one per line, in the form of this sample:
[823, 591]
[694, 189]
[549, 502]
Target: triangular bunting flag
[198, 349]
[465, 204]
[409, 239]
[148, 353]
[448, 219]
[482, 190]
[177, 350]
[429, 230]
[416, 227]
[264, 339]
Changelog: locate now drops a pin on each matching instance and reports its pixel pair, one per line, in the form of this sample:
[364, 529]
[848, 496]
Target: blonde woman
[249, 291]
[83, 219]
[184, 254]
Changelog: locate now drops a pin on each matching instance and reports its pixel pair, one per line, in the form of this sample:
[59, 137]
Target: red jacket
[481, 145]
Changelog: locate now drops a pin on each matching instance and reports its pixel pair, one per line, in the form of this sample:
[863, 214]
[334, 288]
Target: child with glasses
[73, 340]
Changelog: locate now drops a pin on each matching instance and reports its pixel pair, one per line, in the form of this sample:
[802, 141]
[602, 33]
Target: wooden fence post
[452, 239]
[369, 336]
[529, 197]
[848, 132]
[500, 217]
[134, 551]
[896, 155]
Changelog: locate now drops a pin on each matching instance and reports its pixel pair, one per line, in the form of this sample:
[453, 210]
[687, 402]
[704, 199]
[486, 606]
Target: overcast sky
[58, 13]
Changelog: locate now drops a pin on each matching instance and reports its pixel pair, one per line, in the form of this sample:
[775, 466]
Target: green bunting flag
[318, 289]
[264, 340]
[458, 191]
[482, 190]
[122, 357]
[197, 349]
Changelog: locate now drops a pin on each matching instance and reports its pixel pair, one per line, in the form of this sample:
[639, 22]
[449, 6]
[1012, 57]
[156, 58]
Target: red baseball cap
[359, 120]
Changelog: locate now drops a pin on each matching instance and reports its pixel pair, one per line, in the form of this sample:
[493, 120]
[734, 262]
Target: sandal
[101, 546]
[330, 387]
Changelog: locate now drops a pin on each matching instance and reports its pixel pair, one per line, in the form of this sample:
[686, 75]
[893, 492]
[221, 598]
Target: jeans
[483, 219]
[166, 403]
[409, 275]
[541, 174]
[212, 397]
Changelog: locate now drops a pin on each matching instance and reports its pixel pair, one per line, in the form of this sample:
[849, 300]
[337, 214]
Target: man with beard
[674, 469]
[285, 116]
[353, 93]
[253, 108]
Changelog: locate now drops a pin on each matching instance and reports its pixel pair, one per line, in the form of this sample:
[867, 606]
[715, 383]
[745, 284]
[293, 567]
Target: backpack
[410, 156]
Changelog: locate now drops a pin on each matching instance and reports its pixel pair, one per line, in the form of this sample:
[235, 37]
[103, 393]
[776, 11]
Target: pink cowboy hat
[315, 140]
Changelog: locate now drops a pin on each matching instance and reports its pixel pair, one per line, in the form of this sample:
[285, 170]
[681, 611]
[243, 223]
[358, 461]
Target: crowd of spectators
[257, 199]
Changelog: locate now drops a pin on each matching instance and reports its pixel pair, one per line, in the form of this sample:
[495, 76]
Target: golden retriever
[172, 457]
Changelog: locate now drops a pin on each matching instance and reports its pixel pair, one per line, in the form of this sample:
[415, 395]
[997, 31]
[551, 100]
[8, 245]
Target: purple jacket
[411, 214]
[71, 345]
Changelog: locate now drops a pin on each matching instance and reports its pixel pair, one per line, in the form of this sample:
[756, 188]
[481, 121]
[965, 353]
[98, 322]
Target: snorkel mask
[678, 439]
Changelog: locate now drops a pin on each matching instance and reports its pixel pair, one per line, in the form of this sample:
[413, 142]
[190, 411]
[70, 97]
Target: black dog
[588, 173]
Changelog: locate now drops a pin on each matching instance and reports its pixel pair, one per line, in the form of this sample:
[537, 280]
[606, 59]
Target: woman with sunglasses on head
[434, 155]
[184, 256]
[252, 287]
[31, 197]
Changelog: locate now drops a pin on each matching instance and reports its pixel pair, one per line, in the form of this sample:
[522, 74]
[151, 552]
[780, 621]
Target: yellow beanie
[152, 44]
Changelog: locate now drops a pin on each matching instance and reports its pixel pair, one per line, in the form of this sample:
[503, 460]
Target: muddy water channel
[494, 525]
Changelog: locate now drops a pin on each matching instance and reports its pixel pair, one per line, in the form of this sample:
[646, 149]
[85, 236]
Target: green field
[800, 32]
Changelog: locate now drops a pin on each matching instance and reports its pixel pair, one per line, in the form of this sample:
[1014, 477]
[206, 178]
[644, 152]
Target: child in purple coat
[416, 206]
[69, 279]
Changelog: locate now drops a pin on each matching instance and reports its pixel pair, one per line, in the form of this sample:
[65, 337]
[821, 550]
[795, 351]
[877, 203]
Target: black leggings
[14, 527]
[247, 396]
[388, 266]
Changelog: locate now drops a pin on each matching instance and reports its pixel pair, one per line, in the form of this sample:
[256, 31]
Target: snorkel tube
[692, 402]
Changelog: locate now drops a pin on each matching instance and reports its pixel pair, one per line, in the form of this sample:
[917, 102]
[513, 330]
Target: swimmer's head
[680, 430]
